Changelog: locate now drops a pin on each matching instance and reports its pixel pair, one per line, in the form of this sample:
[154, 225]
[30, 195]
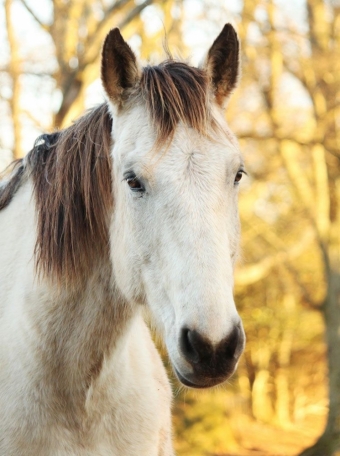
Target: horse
[131, 209]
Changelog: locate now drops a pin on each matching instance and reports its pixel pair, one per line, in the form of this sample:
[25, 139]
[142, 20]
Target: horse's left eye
[135, 184]
[238, 176]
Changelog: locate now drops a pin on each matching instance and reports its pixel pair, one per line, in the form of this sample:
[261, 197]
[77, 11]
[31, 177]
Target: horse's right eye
[135, 184]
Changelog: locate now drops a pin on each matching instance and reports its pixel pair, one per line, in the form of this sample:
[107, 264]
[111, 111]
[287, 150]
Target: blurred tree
[14, 69]
[308, 157]
[75, 30]
[320, 75]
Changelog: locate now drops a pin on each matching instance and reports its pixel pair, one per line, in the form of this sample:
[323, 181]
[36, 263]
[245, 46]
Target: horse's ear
[222, 63]
[119, 70]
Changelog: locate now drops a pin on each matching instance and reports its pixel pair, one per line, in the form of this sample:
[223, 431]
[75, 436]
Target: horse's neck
[77, 331]
[59, 338]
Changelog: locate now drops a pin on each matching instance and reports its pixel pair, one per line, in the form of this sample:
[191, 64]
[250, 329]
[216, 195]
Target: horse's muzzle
[210, 364]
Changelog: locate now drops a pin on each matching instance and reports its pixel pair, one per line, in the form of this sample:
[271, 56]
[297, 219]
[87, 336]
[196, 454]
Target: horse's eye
[238, 176]
[135, 184]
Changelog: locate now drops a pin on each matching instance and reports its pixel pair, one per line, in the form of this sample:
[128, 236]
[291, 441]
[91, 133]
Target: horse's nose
[215, 359]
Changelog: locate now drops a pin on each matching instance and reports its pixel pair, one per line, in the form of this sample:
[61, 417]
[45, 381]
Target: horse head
[175, 229]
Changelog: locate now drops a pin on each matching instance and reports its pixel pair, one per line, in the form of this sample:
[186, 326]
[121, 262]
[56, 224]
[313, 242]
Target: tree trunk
[261, 403]
[329, 442]
[282, 404]
[14, 71]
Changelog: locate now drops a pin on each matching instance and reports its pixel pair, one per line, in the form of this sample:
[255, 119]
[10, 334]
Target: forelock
[175, 92]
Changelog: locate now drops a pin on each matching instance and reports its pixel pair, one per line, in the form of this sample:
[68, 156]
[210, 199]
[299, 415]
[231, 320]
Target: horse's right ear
[222, 64]
[119, 70]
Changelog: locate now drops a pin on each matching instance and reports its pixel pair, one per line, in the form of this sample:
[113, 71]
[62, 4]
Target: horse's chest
[133, 417]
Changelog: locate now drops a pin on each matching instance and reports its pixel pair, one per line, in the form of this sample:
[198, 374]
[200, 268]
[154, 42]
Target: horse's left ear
[222, 63]
[119, 70]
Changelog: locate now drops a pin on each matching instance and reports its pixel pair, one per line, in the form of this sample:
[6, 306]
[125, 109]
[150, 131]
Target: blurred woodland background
[285, 397]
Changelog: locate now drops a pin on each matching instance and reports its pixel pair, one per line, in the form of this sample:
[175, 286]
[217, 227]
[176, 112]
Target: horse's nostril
[199, 351]
[233, 342]
[187, 345]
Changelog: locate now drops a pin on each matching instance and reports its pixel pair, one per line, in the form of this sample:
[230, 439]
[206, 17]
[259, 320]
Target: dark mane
[176, 92]
[71, 170]
[72, 181]
[8, 188]
[71, 174]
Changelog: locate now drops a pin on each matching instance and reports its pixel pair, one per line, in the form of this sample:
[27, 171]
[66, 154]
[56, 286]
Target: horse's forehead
[192, 151]
[137, 147]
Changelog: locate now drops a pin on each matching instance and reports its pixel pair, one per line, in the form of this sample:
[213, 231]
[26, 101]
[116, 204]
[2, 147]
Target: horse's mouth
[208, 383]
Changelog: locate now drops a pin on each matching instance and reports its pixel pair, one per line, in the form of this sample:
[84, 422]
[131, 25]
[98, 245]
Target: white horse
[134, 206]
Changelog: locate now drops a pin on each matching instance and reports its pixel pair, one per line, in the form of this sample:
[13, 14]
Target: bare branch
[129, 17]
[307, 298]
[107, 17]
[135, 12]
[5, 70]
[248, 275]
[280, 137]
[35, 17]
